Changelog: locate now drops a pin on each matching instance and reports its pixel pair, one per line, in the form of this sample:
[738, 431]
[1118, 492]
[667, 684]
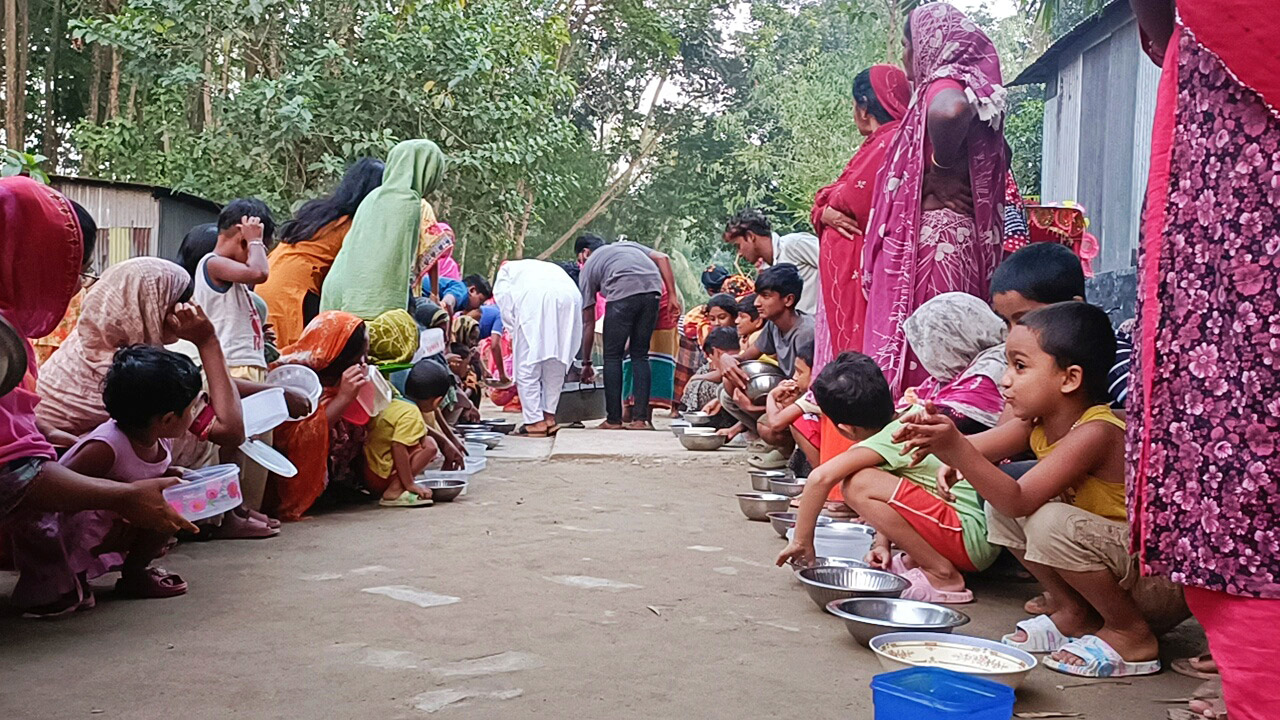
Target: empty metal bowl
[678, 427]
[784, 521]
[471, 427]
[790, 488]
[759, 386]
[444, 490]
[693, 440]
[501, 427]
[831, 562]
[759, 367]
[760, 478]
[867, 617]
[489, 439]
[757, 506]
[697, 418]
[828, 583]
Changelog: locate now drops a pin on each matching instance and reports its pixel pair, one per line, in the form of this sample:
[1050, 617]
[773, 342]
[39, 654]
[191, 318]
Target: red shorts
[810, 430]
[936, 521]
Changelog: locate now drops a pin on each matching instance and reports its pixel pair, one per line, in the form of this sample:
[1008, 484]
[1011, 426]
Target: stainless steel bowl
[760, 478]
[444, 490]
[678, 427]
[760, 385]
[784, 521]
[867, 617]
[831, 562]
[757, 506]
[827, 583]
[489, 439]
[471, 427]
[501, 427]
[697, 418]
[692, 440]
[758, 367]
[790, 488]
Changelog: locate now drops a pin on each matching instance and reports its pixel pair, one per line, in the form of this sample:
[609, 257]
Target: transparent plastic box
[206, 492]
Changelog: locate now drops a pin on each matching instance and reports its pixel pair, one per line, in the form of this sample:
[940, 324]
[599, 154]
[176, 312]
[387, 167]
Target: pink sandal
[238, 527]
[922, 589]
[153, 584]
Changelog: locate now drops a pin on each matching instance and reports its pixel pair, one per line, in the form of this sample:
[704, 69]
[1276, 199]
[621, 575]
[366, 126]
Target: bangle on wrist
[933, 158]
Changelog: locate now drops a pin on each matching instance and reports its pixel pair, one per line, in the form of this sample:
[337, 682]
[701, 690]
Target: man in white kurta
[542, 309]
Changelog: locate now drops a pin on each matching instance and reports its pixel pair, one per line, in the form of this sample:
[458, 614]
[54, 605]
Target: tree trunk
[893, 46]
[95, 85]
[527, 193]
[48, 132]
[15, 62]
[113, 86]
[130, 104]
[206, 91]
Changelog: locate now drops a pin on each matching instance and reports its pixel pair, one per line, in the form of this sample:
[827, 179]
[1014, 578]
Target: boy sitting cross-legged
[942, 538]
[1065, 517]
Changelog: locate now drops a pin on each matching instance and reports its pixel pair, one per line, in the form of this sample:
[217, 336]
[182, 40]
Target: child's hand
[879, 557]
[712, 408]
[251, 229]
[188, 322]
[299, 405]
[786, 393]
[797, 553]
[353, 380]
[928, 433]
[947, 477]
[453, 457]
[269, 334]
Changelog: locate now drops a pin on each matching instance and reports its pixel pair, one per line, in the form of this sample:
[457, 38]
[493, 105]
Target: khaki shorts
[1065, 537]
[248, 372]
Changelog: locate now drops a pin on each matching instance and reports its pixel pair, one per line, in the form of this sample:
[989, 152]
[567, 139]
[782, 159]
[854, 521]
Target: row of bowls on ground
[902, 633]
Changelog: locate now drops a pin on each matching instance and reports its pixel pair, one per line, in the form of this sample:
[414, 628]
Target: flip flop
[1187, 667]
[922, 589]
[524, 431]
[238, 527]
[407, 500]
[1042, 636]
[553, 429]
[1101, 661]
[155, 584]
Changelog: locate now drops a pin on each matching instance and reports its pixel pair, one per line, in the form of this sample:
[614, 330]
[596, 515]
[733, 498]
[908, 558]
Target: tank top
[1093, 495]
[234, 317]
[127, 466]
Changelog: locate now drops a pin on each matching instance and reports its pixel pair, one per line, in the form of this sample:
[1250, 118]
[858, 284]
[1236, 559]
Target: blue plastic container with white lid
[929, 693]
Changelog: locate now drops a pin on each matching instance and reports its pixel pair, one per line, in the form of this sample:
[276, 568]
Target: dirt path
[615, 588]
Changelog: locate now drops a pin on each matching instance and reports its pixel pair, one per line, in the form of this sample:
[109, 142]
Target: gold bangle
[933, 158]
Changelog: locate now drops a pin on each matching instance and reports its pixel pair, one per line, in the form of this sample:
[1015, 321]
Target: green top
[371, 273]
[973, 521]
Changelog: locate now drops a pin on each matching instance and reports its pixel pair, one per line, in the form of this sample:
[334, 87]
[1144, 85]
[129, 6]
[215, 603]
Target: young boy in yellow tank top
[1065, 518]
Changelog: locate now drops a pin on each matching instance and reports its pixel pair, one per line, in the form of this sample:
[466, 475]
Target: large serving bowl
[866, 617]
[489, 439]
[827, 583]
[702, 439]
[784, 521]
[444, 490]
[757, 505]
[789, 487]
[820, 561]
[986, 659]
[760, 478]
[697, 418]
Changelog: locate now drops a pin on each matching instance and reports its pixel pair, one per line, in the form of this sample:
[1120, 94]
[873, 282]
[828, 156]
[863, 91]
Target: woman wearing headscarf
[1203, 418]
[541, 308]
[936, 219]
[374, 270]
[960, 343]
[308, 245]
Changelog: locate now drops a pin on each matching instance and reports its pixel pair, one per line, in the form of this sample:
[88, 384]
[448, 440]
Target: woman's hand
[188, 322]
[950, 190]
[797, 553]
[143, 504]
[928, 433]
[353, 380]
[846, 225]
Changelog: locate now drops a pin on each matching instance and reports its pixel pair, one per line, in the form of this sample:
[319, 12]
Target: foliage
[15, 162]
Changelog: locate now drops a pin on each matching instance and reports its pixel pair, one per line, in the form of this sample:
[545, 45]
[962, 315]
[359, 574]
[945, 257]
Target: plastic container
[938, 694]
[264, 411]
[841, 540]
[375, 396]
[476, 449]
[474, 464]
[300, 378]
[206, 492]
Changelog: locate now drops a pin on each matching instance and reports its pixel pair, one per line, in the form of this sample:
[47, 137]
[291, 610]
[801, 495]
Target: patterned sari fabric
[664, 345]
[1204, 415]
[912, 255]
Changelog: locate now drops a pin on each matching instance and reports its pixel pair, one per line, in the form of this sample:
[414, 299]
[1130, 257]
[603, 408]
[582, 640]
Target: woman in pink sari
[936, 221]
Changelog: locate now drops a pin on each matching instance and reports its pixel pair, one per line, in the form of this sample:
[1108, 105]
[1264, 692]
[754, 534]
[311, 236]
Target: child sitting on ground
[942, 538]
[786, 407]
[703, 389]
[427, 386]
[749, 323]
[1064, 518]
[396, 451]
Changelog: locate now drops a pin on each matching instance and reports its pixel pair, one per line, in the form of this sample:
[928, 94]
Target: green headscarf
[372, 273]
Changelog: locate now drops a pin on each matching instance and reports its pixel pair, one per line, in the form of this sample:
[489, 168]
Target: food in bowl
[987, 659]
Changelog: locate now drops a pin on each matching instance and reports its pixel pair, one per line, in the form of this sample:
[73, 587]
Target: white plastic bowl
[264, 411]
[206, 492]
[300, 378]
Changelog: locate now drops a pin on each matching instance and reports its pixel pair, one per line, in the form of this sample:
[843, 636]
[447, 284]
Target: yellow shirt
[1093, 495]
[400, 423]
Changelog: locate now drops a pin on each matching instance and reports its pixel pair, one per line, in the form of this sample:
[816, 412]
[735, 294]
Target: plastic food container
[264, 411]
[939, 694]
[478, 450]
[375, 396]
[300, 378]
[206, 492]
[846, 540]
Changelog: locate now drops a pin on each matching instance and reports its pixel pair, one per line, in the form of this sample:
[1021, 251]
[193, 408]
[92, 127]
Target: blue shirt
[490, 320]
[450, 287]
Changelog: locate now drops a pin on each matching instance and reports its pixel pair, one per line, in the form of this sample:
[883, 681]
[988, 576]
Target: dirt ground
[611, 586]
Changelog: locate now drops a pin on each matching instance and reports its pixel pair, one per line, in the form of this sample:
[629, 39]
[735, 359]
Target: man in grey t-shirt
[631, 277]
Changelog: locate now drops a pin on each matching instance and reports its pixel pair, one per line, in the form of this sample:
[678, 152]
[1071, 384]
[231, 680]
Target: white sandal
[1042, 636]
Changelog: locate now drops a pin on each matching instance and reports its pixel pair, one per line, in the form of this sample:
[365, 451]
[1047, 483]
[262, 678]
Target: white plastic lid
[268, 457]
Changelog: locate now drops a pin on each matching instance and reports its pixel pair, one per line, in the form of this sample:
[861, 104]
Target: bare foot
[1041, 604]
[609, 426]
[1133, 646]
[639, 425]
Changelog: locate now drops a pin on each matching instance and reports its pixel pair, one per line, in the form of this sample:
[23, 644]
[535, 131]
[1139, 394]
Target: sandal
[1101, 661]
[61, 608]
[1042, 636]
[153, 584]
[1193, 667]
[407, 499]
[524, 431]
[238, 527]
[263, 518]
[553, 429]
[922, 589]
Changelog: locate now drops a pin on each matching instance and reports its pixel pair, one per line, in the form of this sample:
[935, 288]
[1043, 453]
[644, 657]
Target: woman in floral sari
[1203, 415]
[937, 217]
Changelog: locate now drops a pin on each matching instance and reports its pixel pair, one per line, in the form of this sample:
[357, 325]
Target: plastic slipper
[772, 460]
[922, 589]
[552, 430]
[1187, 667]
[407, 499]
[155, 584]
[239, 527]
[524, 431]
[1101, 661]
[53, 611]
[1042, 636]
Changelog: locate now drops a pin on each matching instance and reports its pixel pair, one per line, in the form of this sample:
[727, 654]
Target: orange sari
[296, 270]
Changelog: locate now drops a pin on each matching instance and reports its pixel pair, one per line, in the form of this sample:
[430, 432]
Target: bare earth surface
[615, 578]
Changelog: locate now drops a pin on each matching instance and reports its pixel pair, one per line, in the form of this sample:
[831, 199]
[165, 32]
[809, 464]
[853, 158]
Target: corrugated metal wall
[128, 218]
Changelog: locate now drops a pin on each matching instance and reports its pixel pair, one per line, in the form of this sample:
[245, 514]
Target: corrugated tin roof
[1046, 66]
[155, 191]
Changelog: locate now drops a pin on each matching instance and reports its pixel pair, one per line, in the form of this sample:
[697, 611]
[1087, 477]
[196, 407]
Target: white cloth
[801, 249]
[539, 385]
[234, 317]
[542, 309]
